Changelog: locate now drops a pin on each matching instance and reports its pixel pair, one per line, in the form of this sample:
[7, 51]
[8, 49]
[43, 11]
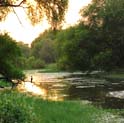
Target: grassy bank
[113, 75]
[40, 111]
[50, 68]
[4, 84]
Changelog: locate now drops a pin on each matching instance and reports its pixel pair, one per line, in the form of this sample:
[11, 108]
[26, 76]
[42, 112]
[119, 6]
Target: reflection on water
[73, 86]
[32, 88]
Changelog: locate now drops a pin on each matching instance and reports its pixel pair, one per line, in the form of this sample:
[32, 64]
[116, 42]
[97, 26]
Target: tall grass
[44, 111]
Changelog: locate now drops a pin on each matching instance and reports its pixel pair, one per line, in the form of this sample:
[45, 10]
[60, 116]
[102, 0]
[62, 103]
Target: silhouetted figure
[31, 79]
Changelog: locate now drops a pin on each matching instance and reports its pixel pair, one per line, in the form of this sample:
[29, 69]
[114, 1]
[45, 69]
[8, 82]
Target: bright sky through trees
[23, 31]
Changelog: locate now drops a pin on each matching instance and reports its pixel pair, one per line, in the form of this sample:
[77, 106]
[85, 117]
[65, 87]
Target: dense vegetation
[96, 43]
[36, 10]
[20, 108]
[9, 54]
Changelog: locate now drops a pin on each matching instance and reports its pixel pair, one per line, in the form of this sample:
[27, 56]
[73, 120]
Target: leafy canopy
[9, 53]
[105, 20]
[54, 10]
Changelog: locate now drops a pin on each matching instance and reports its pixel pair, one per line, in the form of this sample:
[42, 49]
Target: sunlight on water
[36, 90]
[55, 96]
[30, 87]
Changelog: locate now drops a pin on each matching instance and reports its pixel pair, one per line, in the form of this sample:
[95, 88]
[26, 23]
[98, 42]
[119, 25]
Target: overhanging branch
[6, 4]
[17, 16]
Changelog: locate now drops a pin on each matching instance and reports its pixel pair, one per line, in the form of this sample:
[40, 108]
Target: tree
[9, 53]
[74, 48]
[43, 47]
[25, 49]
[25, 54]
[105, 20]
[54, 10]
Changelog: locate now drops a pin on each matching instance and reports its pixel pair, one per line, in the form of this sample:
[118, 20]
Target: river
[74, 86]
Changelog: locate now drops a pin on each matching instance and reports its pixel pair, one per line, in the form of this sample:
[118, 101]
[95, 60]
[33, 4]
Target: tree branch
[4, 4]
[17, 16]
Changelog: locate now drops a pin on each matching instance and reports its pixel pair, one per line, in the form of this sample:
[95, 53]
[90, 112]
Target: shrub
[4, 84]
[11, 111]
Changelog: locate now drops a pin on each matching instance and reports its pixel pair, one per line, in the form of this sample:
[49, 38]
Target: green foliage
[102, 60]
[8, 46]
[43, 47]
[50, 68]
[33, 109]
[105, 21]
[4, 84]
[33, 63]
[11, 111]
[27, 59]
[9, 53]
[95, 44]
[73, 48]
[25, 49]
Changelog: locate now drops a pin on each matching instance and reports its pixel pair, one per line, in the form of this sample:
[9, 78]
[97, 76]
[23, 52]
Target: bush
[11, 111]
[38, 64]
[4, 84]
[9, 54]
[33, 63]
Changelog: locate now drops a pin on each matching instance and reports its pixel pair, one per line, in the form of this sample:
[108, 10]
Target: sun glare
[72, 15]
[20, 28]
[32, 88]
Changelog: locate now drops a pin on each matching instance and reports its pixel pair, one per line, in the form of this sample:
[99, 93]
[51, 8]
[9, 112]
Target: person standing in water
[31, 79]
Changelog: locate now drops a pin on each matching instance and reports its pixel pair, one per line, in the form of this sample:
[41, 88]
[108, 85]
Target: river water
[74, 86]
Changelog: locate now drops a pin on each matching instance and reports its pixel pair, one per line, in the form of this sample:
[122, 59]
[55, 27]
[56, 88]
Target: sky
[24, 31]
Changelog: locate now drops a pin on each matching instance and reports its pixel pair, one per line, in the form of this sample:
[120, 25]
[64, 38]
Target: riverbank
[114, 75]
[44, 111]
[51, 68]
[4, 84]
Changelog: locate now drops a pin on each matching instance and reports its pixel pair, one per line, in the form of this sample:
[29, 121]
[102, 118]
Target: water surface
[74, 86]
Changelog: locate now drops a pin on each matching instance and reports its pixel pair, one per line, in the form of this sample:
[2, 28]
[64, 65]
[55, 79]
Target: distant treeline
[96, 43]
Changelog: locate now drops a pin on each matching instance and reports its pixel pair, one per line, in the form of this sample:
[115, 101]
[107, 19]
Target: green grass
[50, 68]
[113, 75]
[116, 75]
[44, 111]
[4, 84]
